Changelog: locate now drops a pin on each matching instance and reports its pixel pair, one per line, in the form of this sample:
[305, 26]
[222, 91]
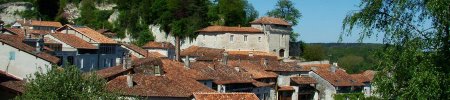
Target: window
[231, 38]
[70, 60]
[259, 39]
[157, 70]
[12, 55]
[245, 37]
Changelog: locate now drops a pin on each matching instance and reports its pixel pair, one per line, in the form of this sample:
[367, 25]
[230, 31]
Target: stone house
[109, 52]
[366, 77]
[14, 52]
[164, 48]
[333, 81]
[265, 34]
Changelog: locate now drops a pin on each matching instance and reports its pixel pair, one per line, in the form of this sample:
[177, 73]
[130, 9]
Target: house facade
[13, 53]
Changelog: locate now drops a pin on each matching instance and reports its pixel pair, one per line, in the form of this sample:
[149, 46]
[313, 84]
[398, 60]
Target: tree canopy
[232, 12]
[67, 83]
[285, 9]
[415, 62]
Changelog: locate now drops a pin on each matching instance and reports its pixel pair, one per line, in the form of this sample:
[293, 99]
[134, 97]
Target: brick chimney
[126, 61]
[265, 62]
[187, 62]
[129, 81]
[225, 58]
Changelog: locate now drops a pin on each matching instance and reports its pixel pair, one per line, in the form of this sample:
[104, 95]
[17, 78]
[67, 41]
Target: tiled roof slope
[303, 80]
[203, 53]
[338, 78]
[40, 23]
[157, 86]
[221, 74]
[94, 35]
[177, 69]
[158, 45]
[73, 41]
[214, 29]
[225, 96]
[136, 49]
[90, 33]
[16, 42]
[256, 70]
[270, 20]
[366, 76]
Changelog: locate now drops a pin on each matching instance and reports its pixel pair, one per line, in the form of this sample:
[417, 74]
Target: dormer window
[157, 70]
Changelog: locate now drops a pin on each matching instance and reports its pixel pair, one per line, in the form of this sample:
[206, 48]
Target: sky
[321, 20]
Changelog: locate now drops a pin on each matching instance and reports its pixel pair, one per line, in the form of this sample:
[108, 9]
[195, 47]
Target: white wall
[324, 87]
[24, 63]
[222, 41]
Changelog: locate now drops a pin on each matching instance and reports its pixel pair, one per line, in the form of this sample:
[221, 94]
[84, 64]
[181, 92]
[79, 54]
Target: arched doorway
[281, 53]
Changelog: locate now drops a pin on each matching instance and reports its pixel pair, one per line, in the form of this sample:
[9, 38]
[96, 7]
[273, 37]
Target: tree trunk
[177, 48]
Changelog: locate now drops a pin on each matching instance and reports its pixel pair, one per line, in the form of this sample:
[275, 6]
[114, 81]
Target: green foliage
[415, 63]
[232, 12]
[285, 9]
[314, 53]
[351, 63]
[92, 17]
[144, 37]
[353, 96]
[343, 52]
[67, 83]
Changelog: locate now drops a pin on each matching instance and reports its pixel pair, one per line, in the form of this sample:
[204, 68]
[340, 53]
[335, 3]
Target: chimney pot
[129, 81]
[187, 62]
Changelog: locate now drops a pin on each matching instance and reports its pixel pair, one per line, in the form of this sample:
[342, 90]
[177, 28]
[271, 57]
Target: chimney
[24, 21]
[265, 62]
[38, 47]
[314, 68]
[126, 61]
[335, 64]
[333, 69]
[250, 54]
[237, 69]
[225, 58]
[129, 81]
[187, 62]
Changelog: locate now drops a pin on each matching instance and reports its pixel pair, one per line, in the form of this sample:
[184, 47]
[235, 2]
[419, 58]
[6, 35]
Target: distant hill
[354, 57]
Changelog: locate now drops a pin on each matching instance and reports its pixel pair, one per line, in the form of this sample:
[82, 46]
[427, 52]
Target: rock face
[9, 11]
[71, 12]
[114, 16]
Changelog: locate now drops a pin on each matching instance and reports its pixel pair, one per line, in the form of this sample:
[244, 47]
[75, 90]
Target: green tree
[67, 83]
[182, 18]
[351, 63]
[232, 12]
[285, 9]
[314, 53]
[415, 63]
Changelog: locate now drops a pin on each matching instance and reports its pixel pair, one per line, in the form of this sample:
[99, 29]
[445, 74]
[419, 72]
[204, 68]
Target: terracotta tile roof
[73, 41]
[203, 53]
[111, 72]
[16, 31]
[304, 80]
[262, 84]
[225, 96]
[90, 33]
[177, 69]
[40, 23]
[156, 86]
[317, 66]
[366, 76]
[17, 86]
[254, 69]
[107, 33]
[270, 20]
[221, 74]
[6, 76]
[155, 54]
[158, 45]
[16, 42]
[136, 49]
[216, 29]
[39, 32]
[370, 74]
[286, 88]
[338, 78]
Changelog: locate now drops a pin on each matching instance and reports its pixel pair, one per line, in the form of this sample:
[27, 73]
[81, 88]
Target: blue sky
[321, 21]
